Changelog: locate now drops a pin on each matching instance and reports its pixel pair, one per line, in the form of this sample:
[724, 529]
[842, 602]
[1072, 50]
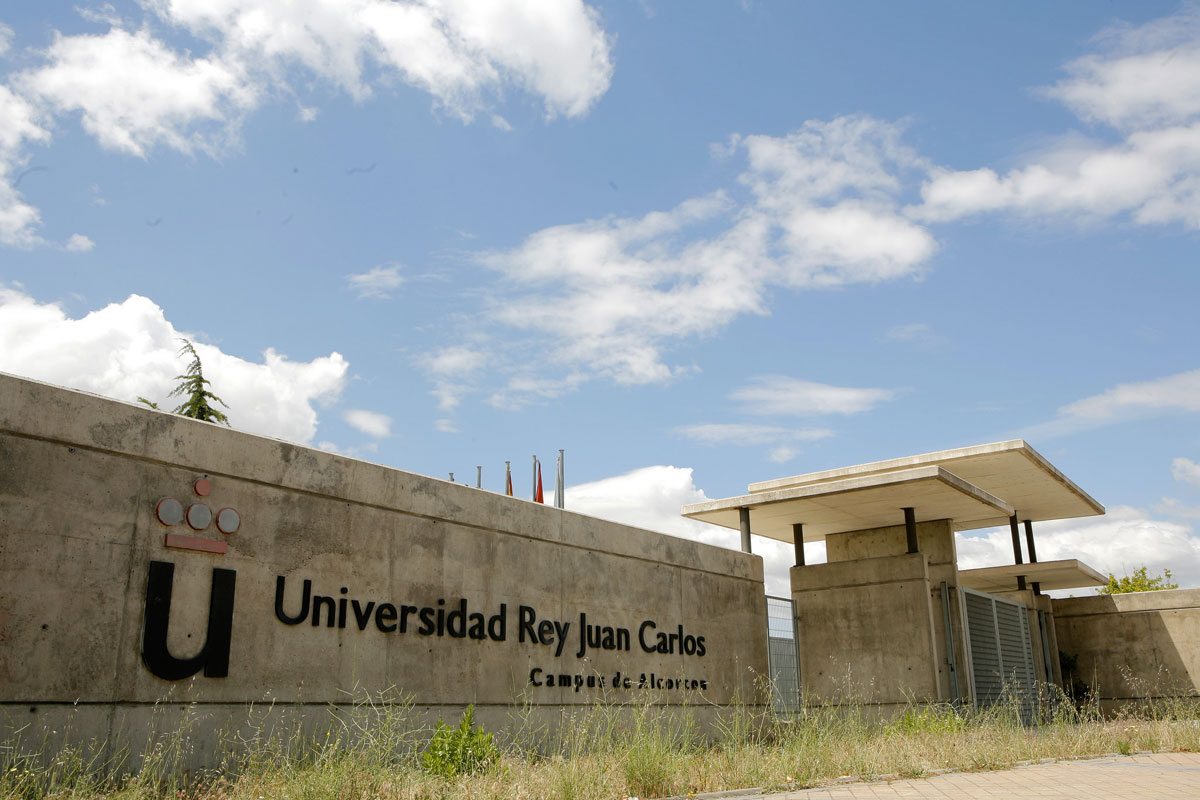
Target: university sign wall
[180, 562]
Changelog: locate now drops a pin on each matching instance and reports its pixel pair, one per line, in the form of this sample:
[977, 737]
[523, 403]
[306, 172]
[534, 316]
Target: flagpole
[508, 478]
[560, 486]
[533, 481]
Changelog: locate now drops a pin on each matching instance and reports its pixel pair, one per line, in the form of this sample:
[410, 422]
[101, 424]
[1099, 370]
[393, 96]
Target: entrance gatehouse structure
[890, 619]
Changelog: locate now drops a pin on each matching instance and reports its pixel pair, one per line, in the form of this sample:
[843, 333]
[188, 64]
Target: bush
[464, 750]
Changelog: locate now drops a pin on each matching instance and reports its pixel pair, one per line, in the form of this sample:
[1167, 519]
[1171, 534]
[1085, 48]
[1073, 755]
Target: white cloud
[371, 423]
[651, 497]
[1185, 470]
[445, 426]
[6, 38]
[135, 93]
[613, 294]
[749, 434]
[782, 454]
[377, 282]
[452, 369]
[129, 349]
[1146, 76]
[462, 52]
[1120, 542]
[1125, 401]
[1146, 84]
[778, 395]
[78, 243]
[1174, 507]
[19, 124]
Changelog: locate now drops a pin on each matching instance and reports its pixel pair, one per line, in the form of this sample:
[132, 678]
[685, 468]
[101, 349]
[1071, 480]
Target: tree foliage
[193, 388]
[1139, 581]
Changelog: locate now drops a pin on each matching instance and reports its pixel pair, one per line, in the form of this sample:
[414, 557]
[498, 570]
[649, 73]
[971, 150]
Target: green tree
[1139, 581]
[193, 387]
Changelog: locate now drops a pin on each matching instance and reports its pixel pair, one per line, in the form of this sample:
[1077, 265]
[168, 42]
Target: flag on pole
[538, 495]
[508, 478]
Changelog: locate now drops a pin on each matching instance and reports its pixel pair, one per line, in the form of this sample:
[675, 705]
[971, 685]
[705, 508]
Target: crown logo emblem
[199, 517]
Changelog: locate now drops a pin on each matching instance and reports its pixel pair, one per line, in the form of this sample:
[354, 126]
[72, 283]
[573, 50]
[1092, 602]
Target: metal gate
[783, 657]
[1001, 652]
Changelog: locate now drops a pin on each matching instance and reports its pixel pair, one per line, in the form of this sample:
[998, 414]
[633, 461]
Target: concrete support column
[1016, 540]
[798, 536]
[910, 529]
[744, 519]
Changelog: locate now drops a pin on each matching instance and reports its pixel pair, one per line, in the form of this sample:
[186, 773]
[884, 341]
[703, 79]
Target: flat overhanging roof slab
[1010, 470]
[1066, 574]
[854, 503]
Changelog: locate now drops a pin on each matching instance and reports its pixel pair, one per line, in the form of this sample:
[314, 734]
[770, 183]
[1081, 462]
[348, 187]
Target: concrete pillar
[744, 519]
[798, 536]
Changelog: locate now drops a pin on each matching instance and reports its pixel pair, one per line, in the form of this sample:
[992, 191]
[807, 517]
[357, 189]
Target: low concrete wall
[866, 631]
[1131, 647]
[345, 578]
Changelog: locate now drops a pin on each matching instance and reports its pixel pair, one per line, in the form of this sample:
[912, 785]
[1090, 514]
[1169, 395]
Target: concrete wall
[80, 478]
[1133, 646]
[870, 620]
[935, 540]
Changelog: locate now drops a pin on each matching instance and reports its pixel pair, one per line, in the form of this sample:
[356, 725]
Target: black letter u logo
[214, 656]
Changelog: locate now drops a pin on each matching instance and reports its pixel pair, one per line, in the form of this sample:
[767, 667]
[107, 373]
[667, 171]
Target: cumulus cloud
[371, 423]
[129, 349]
[778, 395]
[651, 497]
[1120, 542]
[1144, 83]
[614, 294]
[78, 243]
[133, 92]
[378, 282]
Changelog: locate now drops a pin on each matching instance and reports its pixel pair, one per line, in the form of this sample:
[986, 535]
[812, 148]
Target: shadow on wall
[1131, 647]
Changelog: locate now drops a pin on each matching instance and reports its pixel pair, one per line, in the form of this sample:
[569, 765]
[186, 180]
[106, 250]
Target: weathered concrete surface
[80, 477]
[890, 605]
[1132, 647]
[866, 631]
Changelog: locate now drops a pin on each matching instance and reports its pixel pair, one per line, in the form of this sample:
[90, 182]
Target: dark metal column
[910, 529]
[1016, 540]
[1037, 587]
[798, 536]
[744, 518]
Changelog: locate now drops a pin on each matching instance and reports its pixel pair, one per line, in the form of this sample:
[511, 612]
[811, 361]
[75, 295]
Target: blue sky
[695, 245]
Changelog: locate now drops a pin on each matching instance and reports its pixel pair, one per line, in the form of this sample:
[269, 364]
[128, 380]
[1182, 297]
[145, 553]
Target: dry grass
[609, 753]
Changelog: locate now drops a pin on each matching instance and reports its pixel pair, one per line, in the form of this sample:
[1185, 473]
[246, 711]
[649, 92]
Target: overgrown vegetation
[193, 388]
[379, 749]
[1139, 581]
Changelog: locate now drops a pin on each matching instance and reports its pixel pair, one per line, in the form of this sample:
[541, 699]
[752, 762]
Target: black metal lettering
[214, 655]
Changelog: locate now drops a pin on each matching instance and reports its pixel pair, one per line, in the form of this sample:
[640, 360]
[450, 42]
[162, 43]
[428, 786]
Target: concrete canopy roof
[854, 503]
[1010, 470]
[1066, 574]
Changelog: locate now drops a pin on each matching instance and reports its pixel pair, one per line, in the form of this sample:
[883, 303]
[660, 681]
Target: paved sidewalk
[1160, 776]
